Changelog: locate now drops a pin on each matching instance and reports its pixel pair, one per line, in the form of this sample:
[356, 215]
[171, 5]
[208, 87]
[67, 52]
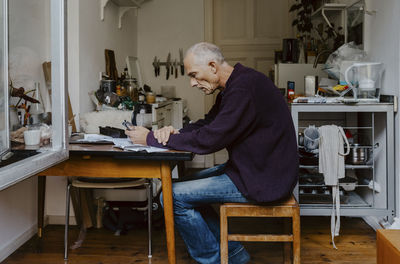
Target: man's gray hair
[205, 52]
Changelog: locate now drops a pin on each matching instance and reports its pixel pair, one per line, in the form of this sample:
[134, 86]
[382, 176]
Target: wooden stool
[288, 208]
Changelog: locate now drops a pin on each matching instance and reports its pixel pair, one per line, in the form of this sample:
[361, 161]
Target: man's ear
[213, 65]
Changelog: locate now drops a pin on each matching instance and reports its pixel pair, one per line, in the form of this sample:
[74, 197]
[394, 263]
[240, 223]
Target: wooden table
[89, 160]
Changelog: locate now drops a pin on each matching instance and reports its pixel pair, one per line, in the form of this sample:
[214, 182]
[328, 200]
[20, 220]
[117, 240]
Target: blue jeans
[196, 220]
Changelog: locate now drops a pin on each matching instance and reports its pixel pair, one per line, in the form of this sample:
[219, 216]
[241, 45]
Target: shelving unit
[334, 10]
[123, 6]
[372, 192]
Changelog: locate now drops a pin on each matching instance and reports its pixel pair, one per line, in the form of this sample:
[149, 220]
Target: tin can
[290, 90]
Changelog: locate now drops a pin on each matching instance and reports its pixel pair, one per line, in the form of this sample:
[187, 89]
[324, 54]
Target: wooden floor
[356, 244]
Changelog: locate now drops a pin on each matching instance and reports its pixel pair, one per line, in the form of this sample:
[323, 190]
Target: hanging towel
[331, 165]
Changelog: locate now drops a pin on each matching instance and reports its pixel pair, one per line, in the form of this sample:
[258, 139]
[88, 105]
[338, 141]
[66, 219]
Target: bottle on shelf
[38, 107]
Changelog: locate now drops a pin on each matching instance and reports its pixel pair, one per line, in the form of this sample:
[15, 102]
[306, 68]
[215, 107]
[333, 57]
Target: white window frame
[18, 171]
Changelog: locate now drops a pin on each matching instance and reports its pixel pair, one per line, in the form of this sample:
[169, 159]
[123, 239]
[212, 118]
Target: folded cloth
[331, 165]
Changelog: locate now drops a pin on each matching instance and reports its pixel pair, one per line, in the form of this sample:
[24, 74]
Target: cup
[32, 137]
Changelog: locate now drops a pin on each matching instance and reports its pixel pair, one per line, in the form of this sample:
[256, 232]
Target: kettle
[364, 78]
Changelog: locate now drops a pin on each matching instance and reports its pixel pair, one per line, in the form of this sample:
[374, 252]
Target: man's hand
[162, 135]
[137, 134]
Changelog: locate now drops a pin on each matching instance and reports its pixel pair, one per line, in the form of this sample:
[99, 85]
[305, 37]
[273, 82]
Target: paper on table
[95, 138]
[126, 144]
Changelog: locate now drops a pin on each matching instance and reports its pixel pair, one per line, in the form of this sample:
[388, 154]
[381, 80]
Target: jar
[132, 89]
[150, 98]
[141, 97]
[108, 86]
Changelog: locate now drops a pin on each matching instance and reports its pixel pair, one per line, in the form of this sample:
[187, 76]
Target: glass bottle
[37, 108]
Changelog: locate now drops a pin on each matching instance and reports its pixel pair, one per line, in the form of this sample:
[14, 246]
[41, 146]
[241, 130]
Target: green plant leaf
[294, 8]
[295, 22]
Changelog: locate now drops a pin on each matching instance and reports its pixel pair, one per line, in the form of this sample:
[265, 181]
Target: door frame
[208, 37]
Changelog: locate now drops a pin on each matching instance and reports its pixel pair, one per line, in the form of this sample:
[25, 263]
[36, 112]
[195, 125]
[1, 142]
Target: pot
[358, 155]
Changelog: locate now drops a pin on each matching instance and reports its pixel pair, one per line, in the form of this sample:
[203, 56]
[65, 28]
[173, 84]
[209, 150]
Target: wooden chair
[288, 208]
[140, 182]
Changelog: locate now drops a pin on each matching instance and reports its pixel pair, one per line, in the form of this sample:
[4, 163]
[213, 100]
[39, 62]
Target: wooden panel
[251, 21]
[231, 19]
[168, 211]
[388, 246]
[264, 64]
[270, 21]
[224, 235]
[233, 60]
[78, 166]
[260, 238]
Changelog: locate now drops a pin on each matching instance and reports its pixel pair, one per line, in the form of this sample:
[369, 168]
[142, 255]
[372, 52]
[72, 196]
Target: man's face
[203, 77]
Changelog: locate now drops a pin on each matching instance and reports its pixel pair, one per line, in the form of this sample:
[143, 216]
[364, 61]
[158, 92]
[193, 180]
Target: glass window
[32, 95]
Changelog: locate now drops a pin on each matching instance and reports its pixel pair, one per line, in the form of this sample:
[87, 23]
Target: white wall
[165, 26]
[88, 38]
[29, 28]
[382, 43]
[18, 207]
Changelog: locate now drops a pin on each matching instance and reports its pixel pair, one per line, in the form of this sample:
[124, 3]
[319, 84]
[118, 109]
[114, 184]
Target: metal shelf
[345, 127]
[328, 7]
[347, 166]
[323, 185]
[351, 199]
[376, 125]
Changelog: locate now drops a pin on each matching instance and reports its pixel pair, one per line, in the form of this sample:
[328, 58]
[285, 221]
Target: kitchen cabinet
[17, 165]
[371, 189]
[168, 113]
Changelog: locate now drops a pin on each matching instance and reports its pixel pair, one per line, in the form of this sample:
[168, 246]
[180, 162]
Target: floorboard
[356, 245]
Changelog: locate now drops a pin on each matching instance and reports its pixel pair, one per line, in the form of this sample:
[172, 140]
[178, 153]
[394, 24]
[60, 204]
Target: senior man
[251, 120]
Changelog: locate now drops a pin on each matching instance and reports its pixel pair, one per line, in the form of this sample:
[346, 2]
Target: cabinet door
[31, 33]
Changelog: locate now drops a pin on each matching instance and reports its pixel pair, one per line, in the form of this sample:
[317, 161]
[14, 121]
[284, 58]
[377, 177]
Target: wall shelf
[331, 8]
[123, 7]
[328, 7]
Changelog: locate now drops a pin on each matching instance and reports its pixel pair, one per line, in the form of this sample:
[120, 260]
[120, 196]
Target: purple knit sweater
[251, 119]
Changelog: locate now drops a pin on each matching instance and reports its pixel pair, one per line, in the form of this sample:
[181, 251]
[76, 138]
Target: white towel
[331, 164]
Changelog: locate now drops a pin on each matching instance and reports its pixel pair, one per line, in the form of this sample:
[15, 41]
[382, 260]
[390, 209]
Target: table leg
[168, 210]
[41, 196]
